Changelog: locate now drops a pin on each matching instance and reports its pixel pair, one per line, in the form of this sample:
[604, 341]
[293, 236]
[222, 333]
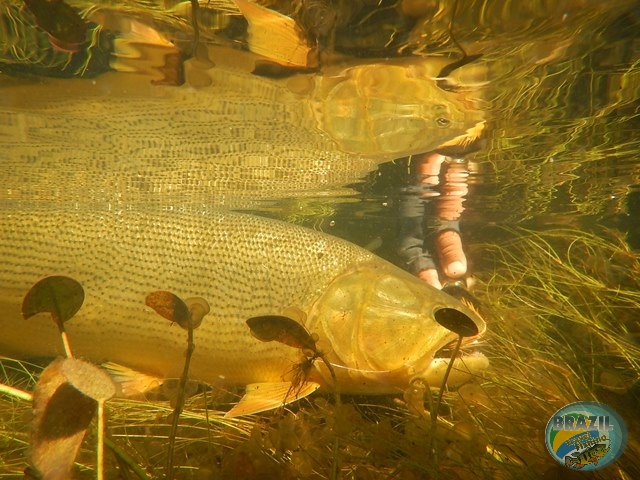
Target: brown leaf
[169, 306]
[62, 415]
[60, 296]
[281, 329]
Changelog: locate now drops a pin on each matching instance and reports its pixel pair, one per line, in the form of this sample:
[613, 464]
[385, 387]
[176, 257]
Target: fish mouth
[469, 326]
[454, 360]
[458, 321]
[454, 364]
[467, 349]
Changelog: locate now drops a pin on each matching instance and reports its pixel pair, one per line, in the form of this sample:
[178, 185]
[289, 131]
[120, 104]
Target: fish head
[381, 327]
[389, 110]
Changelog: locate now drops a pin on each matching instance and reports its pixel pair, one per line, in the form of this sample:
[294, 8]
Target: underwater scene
[319, 239]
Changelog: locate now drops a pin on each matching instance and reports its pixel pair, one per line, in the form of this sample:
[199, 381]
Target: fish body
[109, 181]
[375, 322]
[592, 455]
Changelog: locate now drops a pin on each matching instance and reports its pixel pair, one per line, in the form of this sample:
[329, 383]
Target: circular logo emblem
[586, 436]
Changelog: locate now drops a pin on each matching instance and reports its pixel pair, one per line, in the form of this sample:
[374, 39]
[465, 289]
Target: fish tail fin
[131, 382]
[569, 461]
[276, 37]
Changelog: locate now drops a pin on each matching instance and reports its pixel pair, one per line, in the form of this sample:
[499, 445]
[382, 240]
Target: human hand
[449, 207]
[441, 186]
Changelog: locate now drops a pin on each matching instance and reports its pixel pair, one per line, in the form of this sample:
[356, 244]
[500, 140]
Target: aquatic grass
[562, 328]
[20, 374]
[131, 425]
[587, 283]
[561, 307]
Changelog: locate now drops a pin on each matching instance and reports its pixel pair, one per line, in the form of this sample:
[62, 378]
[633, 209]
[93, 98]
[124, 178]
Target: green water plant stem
[15, 392]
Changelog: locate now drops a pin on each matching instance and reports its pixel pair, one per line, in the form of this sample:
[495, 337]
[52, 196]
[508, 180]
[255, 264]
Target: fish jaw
[379, 327]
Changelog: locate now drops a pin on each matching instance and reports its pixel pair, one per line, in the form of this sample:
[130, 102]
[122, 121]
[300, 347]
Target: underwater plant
[188, 314]
[563, 327]
[68, 392]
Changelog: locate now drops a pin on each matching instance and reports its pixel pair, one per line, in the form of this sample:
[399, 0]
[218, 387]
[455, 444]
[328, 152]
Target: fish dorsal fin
[260, 397]
[131, 382]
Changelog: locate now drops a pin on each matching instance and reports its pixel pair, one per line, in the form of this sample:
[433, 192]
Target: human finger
[453, 261]
[431, 277]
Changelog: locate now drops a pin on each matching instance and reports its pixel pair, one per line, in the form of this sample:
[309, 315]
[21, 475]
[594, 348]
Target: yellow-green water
[550, 226]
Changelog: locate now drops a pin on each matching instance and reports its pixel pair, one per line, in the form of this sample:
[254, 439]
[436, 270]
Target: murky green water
[118, 112]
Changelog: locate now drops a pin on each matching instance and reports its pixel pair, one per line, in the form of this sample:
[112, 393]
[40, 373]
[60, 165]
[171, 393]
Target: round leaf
[281, 329]
[169, 306]
[60, 296]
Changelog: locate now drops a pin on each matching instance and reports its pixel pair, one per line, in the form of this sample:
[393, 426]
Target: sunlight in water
[130, 130]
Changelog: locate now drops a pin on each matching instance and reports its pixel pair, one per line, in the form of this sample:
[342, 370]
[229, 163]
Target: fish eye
[443, 122]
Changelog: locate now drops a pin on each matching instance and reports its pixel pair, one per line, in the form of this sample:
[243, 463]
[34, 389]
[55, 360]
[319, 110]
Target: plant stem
[335, 465]
[434, 415]
[126, 459]
[15, 392]
[64, 336]
[434, 412]
[179, 401]
[100, 447]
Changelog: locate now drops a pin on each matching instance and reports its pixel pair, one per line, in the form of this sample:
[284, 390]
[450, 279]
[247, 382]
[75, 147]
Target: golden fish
[591, 455]
[377, 325]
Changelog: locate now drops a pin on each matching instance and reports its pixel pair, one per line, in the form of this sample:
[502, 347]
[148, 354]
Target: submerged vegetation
[564, 328]
[562, 305]
[562, 310]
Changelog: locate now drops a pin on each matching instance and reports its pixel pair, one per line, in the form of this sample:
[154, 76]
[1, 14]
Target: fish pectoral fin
[260, 397]
[131, 382]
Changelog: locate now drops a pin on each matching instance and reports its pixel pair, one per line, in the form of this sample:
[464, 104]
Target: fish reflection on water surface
[239, 139]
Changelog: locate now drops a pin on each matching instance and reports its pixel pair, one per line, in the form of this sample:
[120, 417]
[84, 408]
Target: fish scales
[252, 269]
[375, 321]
